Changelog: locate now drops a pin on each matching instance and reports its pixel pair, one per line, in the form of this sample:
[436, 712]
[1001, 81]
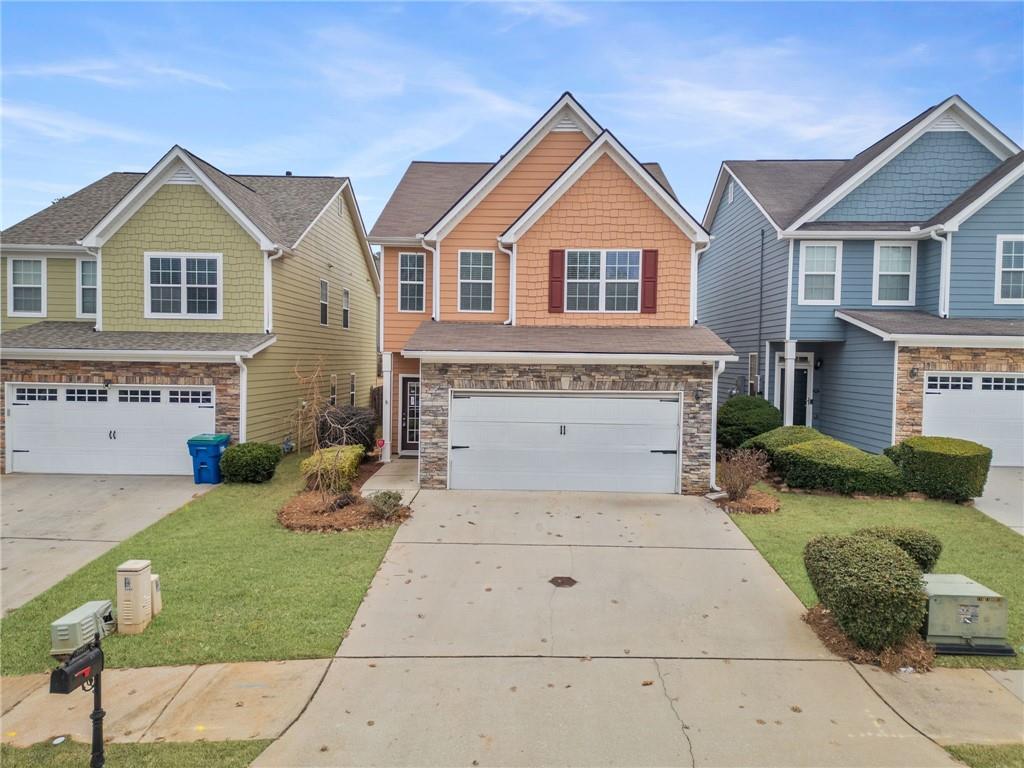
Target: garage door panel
[564, 410]
[985, 408]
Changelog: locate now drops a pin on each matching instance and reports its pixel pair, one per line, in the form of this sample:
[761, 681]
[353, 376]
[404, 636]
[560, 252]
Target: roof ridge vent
[948, 122]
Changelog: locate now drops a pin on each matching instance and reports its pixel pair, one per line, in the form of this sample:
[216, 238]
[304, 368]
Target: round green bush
[922, 546]
[250, 462]
[872, 587]
[836, 466]
[774, 440]
[942, 467]
[742, 417]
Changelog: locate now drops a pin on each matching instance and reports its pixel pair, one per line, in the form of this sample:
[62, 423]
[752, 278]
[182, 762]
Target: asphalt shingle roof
[66, 335]
[486, 337]
[925, 324]
[783, 187]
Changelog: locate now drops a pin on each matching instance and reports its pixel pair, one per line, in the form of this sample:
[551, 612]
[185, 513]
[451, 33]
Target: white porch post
[787, 402]
[385, 406]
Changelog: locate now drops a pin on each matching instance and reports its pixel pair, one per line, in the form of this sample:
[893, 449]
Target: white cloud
[553, 13]
[124, 73]
[63, 126]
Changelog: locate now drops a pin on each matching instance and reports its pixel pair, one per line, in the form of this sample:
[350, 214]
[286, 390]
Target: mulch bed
[756, 502]
[914, 652]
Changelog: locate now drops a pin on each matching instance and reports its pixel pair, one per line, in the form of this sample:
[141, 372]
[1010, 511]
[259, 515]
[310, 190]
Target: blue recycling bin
[205, 451]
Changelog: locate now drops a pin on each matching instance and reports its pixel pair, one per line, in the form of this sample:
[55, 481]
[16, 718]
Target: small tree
[740, 470]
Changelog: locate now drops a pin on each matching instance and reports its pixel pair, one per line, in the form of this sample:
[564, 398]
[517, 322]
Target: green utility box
[963, 614]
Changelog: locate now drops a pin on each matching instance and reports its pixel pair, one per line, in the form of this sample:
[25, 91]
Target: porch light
[913, 373]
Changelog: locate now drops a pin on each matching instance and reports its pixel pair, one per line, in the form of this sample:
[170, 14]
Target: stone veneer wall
[223, 376]
[910, 392]
[436, 379]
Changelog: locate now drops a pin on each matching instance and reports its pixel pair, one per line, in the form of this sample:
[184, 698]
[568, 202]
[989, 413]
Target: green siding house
[146, 308]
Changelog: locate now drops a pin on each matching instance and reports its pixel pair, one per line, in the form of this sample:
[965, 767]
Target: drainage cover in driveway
[562, 581]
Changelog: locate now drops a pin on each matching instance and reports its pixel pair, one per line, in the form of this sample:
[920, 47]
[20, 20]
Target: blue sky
[360, 90]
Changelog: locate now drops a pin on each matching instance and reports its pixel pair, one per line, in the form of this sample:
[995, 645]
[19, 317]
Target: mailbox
[78, 670]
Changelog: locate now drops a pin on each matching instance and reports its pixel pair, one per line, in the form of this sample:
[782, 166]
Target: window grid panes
[201, 286]
[1003, 383]
[35, 394]
[411, 280]
[324, 291]
[186, 286]
[820, 268]
[941, 383]
[895, 263]
[138, 396]
[622, 281]
[583, 281]
[190, 396]
[1011, 285]
[602, 281]
[84, 395]
[476, 281]
[27, 285]
[87, 282]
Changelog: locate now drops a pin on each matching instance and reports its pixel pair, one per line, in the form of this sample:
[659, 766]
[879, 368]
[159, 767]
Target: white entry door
[987, 408]
[564, 442]
[88, 429]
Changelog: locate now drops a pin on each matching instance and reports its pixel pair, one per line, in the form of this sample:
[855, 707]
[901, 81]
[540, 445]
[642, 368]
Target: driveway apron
[540, 629]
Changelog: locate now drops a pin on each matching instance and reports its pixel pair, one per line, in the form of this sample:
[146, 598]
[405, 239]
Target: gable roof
[976, 193]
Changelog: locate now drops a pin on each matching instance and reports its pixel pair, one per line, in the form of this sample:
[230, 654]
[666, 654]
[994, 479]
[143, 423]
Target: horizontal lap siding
[480, 228]
[330, 251]
[604, 209]
[929, 266]
[60, 294]
[972, 288]
[399, 326]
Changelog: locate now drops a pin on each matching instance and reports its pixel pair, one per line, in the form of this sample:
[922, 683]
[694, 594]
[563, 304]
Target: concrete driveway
[52, 525]
[1003, 499]
[677, 645]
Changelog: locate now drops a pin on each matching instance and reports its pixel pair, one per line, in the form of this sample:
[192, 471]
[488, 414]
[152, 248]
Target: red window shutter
[556, 281]
[649, 283]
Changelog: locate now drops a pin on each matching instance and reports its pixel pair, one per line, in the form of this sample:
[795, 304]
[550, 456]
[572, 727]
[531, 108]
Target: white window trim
[184, 314]
[603, 282]
[911, 299]
[10, 288]
[402, 282]
[730, 190]
[460, 281]
[1000, 239]
[324, 317]
[838, 286]
[78, 288]
[346, 309]
[804, 360]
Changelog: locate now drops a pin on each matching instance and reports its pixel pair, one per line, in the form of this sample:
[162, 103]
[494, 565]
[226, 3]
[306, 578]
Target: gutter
[511, 282]
[568, 357]
[243, 396]
[695, 254]
[944, 270]
[139, 355]
[435, 289]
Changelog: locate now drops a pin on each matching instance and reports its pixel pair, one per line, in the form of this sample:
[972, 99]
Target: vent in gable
[566, 124]
[182, 175]
[947, 122]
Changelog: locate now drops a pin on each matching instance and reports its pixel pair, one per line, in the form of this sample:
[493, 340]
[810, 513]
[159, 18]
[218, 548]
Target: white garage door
[564, 442]
[985, 407]
[81, 429]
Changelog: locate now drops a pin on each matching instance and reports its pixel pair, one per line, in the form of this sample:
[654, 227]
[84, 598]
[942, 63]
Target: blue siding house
[880, 296]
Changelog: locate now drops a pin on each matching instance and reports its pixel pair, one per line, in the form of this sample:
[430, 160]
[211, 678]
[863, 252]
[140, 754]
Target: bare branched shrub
[740, 470]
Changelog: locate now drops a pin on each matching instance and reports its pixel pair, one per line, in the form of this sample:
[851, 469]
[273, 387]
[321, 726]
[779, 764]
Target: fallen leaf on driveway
[647, 682]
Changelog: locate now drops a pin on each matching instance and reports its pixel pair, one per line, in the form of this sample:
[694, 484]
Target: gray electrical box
[76, 629]
[963, 613]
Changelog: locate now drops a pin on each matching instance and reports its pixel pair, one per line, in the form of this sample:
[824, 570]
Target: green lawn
[973, 544]
[236, 585]
[71, 754]
[989, 756]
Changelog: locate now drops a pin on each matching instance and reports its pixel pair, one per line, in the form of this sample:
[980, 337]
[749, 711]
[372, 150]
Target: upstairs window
[821, 268]
[345, 298]
[86, 287]
[476, 281]
[602, 281]
[351, 389]
[411, 281]
[183, 285]
[324, 292]
[1010, 269]
[26, 287]
[895, 274]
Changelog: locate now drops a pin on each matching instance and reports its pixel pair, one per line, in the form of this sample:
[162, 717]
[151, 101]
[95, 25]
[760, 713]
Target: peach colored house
[537, 320]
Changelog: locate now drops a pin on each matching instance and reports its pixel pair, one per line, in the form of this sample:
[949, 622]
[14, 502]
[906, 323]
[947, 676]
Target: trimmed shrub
[332, 470]
[347, 425]
[385, 504]
[742, 417]
[836, 466]
[774, 440]
[871, 586]
[250, 462]
[740, 470]
[942, 467]
[922, 546]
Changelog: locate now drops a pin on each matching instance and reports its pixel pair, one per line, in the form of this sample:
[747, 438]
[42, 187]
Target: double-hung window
[86, 287]
[411, 281]
[324, 293]
[602, 281]
[821, 269]
[1010, 269]
[895, 274]
[184, 285]
[476, 281]
[345, 299]
[26, 287]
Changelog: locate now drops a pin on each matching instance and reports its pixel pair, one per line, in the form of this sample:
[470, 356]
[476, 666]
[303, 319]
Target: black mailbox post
[85, 670]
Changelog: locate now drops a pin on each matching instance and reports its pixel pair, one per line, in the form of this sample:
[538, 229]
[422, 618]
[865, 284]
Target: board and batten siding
[60, 292]
[728, 283]
[330, 251]
[182, 217]
[973, 258]
[920, 181]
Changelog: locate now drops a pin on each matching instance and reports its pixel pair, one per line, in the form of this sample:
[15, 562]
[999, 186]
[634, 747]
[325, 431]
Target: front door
[410, 437]
[800, 394]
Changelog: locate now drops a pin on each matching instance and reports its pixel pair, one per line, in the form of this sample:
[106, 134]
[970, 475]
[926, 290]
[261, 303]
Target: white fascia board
[711, 209]
[147, 187]
[606, 144]
[509, 160]
[51, 251]
[720, 190]
[953, 225]
[396, 242]
[881, 234]
[986, 133]
[158, 355]
[935, 339]
[565, 357]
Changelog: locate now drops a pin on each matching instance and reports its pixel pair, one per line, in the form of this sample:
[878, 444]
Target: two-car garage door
[89, 429]
[564, 442]
[987, 408]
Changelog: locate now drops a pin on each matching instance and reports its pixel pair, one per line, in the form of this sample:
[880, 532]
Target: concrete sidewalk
[396, 475]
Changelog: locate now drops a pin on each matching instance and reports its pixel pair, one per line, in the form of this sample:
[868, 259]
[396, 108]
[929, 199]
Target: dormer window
[895, 274]
[183, 286]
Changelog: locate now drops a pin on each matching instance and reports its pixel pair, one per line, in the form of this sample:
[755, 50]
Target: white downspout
[695, 254]
[719, 367]
[243, 396]
[944, 268]
[435, 289]
[268, 289]
[511, 281]
[385, 404]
